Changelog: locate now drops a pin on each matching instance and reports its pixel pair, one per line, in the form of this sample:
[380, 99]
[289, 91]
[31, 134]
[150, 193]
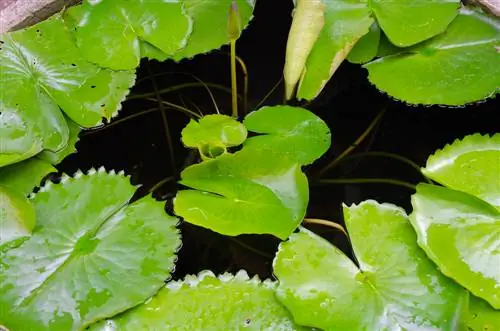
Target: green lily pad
[293, 132]
[90, 256]
[470, 227]
[395, 286]
[210, 24]
[213, 131]
[17, 216]
[209, 303]
[470, 165]
[245, 192]
[57, 157]
[481, 316]
[455, 68]
[367, 46]
[109, 33]
[24, 176]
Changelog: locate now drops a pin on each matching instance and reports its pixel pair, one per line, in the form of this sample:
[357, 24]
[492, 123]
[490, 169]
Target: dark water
[348, 104]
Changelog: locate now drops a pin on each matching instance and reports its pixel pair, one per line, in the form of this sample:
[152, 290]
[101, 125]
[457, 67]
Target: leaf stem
[326, 223]
[367, 181]
[180, 87]
[234, 83]
[175, 106]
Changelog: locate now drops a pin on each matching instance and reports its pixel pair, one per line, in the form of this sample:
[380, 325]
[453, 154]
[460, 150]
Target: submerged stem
[326, 223]
[367, 181]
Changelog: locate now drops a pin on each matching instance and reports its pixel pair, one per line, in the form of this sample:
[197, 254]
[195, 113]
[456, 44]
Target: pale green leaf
[481, 316]
[461, 234]
[24, 176]
[208, 303]
[293, 132]
[91, 255]
[470, 165]
[109, 32]
[395, 286]
[455, 68]
[57, 157]
[210, 24]
[17, 216]
[367, 47]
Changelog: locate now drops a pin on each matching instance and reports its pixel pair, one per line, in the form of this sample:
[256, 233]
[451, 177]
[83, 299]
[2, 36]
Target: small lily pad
[24, 176]
[367, 46]
[395, 285]
[293, 132]
[209, 303]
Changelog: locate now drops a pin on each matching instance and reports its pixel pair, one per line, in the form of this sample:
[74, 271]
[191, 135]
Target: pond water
[348, 104]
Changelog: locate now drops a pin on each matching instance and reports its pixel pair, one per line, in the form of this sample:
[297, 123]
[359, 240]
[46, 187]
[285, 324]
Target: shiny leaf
[245, 192]
[395, 286]
[208, 303]
[91, 255]
[470, 165]
[57, 157]
[455, 68]
[210, 24]
[109, 32]
[24, 176]
[292, 132]
[17, 216]
[470, 227]
[481, 316]
[367, 46]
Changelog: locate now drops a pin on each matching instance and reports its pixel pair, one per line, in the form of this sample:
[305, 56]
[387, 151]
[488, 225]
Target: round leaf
[293, 132]
[208, 303]
[470, 227]
[57, 157]
[455, 68]
[17, 216]
[24, 176]
[210, 24]
[470, 165]
[367, 47]
[109, 32]
[394, 287]
[91, 255]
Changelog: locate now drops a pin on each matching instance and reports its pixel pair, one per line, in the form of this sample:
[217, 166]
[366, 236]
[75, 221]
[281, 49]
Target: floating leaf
[470, 227]
[481, 317]
[91, 255]
[290, 131]
[395, 286]
[24, 176]
[237, 302]
[455, 68]
[57, 157]
[245, 192]
[367, 46]
[214, 131]
[17, 216]
[210, 24]
[470, 165]
[109, 33]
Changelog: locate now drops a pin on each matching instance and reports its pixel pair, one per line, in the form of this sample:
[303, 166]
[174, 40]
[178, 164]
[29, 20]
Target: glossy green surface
[17, 216]
[367, 46]
[109, 32]
[455, 68]
[245, 192]
[481, 316]
[470, 227]
[57, 157]
[395, 287]
[210, 24]
[470, 165]
[90, 256]
[293, 132]
[24, 176]
[208, 303]
[214, 131]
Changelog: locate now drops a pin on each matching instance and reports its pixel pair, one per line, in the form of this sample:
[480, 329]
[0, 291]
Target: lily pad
[214, 131]
[470, 165]
[455, 68]
[209, 303]
[210, 24]
[109, 33]
[17, 216]
[24, 176]
[367, 46]
[245, 192]
[470, 227]
[395, 286]
[57, 157]
[91, 255]
[481, 316]
[293, 132]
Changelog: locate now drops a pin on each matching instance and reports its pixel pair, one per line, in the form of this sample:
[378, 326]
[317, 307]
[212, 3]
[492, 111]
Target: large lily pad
[109, 33]
[208, 303]
[455, 68]
[293, 132]
[44, 61]
[210, 24]
[91, 255]
[395, 286]
[245, 192]
[469, 165]
[470, 227]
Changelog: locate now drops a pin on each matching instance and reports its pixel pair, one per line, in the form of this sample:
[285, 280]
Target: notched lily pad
[395, 285]
[209, 303]
[91, 255]
[293, 132]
